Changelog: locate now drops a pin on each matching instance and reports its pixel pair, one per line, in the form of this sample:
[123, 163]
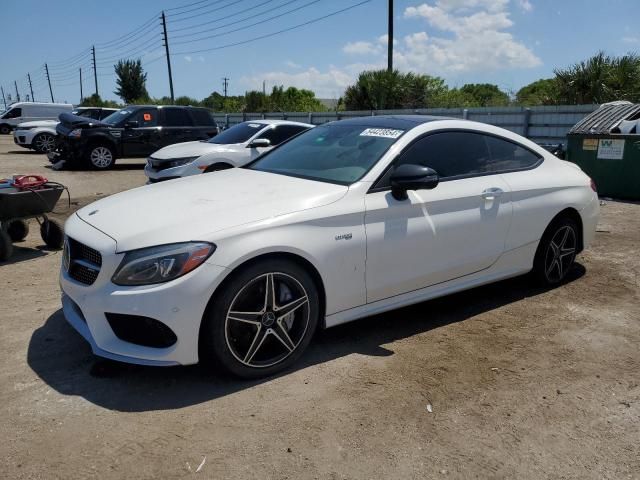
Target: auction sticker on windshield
[381, 132]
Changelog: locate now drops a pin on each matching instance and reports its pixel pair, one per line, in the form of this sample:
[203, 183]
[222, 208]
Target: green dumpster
[606, 146]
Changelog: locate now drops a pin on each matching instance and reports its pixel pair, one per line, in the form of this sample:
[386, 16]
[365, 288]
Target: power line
[185, 6]
[149, 29]
[200, 8]
[175, 20]
[274, 17]
[126, 35]
[273, 34]
[209, 22]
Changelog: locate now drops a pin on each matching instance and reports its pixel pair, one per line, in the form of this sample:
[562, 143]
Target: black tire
[44, 142]
[52, 234]
[101, 156]
[18, 230]
[6, 247]
[5, 129]
[556, 252]
[216, 167]
[227, 342]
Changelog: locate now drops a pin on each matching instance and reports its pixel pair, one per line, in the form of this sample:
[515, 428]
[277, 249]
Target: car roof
[403, 122]
[270, 121]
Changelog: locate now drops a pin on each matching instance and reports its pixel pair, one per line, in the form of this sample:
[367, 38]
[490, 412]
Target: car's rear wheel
[262, 320]
[557, 251]
[44, 142]
[101, 157]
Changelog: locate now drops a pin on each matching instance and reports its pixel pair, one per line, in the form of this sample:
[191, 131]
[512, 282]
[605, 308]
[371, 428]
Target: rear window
[176, 117]
[239, 133]
[202, 117]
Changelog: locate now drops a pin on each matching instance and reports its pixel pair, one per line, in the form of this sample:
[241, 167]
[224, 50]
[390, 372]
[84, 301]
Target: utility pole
[31, 87]
[390, 39]
[46, 68]
[95, 70]
[81, 96]
[225, 85]
[264, 88]
[165, 40]
[17, 93]
[3, 98]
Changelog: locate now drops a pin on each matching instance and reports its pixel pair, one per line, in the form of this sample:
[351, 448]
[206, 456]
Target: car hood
[194, 149]
[195, 208]
[39, 123]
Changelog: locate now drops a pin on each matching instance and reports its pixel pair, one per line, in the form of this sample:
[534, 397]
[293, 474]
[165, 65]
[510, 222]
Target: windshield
[239, 133]
[332, 153]
[117, 117]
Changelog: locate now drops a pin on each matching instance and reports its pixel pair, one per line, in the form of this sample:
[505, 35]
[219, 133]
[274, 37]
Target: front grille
[21, 138]
[84, 262]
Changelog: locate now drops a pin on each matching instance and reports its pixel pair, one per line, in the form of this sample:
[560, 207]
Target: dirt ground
[521, 382]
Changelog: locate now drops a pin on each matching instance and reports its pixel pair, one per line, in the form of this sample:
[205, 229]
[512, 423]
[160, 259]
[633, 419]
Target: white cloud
[292, 64]
[631, 39]
[525, 5]
[361, 48]
[188, 59]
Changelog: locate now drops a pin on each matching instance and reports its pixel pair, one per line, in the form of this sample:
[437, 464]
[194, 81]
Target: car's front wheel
[557, 251]
[101, 157]
[44, 142]
[262, 320]
[5, 129]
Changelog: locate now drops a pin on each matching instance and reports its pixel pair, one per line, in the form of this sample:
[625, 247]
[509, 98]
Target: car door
[141, 135]
[456, 229]
[177, 126]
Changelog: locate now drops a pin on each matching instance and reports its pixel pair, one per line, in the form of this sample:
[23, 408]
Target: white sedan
[346, 220]
[234, 147]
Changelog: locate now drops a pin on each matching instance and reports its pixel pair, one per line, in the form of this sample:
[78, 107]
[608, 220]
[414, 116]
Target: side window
[202, 117]
[104, 114]
[176, 117]
[13, 113]
[281, 133]
[146, 117]
[506, 155]
[451, 154]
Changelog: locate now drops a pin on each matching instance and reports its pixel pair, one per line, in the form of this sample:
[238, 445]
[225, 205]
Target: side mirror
[412, 177]
[260, 143]
[131, 124]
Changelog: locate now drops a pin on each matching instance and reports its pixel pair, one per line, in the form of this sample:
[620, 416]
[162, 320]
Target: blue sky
[507, 42]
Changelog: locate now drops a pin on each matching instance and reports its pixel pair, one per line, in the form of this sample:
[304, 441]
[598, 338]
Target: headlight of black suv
[161, 264]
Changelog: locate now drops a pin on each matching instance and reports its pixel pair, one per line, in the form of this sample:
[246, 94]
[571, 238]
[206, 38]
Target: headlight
[162, 263]
[178, 162]
[75, 133]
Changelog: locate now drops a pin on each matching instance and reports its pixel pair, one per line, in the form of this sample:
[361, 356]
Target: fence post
[263, 116]
[226, 120]
[310, 118]
[244, 116]
[527, 120]
[465, 114]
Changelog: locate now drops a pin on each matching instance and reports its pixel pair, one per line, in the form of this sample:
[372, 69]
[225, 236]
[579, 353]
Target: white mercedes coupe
[346, 220]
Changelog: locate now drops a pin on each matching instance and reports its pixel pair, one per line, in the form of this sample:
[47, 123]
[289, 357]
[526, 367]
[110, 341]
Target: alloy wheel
[267, 320]
[560, 254]
[101, 157]
[45, 142]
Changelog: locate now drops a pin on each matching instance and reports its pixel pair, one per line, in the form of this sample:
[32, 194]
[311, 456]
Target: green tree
[485, 94]
[131, 80]
[541, 92]
[293, 100]
[96, 101]
[187, 101]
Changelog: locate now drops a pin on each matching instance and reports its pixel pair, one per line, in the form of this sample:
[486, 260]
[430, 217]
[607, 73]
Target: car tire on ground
[52, 234]
[101, 156]
[44, 142]
[261, 320]
[5, 129]
[18, 230]
[556, 251]
[217, 167]
[6, 247]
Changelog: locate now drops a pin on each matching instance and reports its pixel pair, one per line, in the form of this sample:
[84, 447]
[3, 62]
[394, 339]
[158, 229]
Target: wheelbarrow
[17, 205]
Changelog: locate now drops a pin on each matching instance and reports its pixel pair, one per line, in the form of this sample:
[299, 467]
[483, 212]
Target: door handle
[492, 193]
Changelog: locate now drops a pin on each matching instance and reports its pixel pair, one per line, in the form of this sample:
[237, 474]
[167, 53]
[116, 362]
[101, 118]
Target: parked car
[41, 135]
[30, 111]
[134, 131]
[346, 220]
[234, 147]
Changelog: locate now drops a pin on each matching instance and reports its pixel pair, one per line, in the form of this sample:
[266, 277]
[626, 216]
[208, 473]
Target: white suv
[234, 147]
[41, 135]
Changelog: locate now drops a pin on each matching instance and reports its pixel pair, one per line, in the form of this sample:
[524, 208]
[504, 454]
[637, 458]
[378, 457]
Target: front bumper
[179, 305]
[155, 175]
[24, 138]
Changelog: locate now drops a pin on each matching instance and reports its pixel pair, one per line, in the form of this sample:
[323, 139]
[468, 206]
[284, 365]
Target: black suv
[134, 131]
